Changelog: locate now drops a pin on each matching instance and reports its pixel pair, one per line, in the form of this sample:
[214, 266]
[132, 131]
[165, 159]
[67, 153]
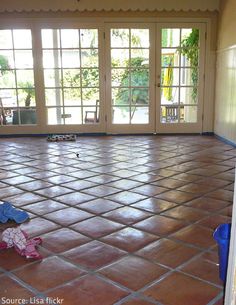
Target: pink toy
[17, 238]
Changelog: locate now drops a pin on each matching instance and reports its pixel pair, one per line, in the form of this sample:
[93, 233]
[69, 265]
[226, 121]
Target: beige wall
[225, 99]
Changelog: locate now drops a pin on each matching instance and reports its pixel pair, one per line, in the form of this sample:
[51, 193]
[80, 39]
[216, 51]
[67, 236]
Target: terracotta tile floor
[128, 222]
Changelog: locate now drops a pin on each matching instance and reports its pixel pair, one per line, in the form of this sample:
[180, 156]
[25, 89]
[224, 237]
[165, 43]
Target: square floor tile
[187, 290]
[101, 190]
[20, 200]
[10, 289]
[126, 197]
[68, 216]
[38, 226]
[154, 205]
[79, 185]
[167, 252]
[149, 190]
[160, 225]
[196, 235]
[94, 255]
[177, 196]
[48, 273]
[127, 215]
[63, 239]
[89, 290]
[35, 185]
[170, 183]
[214, 221]
[129, 239]
[204, 268]
[124, 184]
[197, 188]
[222, 195]
[53, 191]
[74, 198]
[10, 259]
[186, 213]
[206, 204]
[97, 227]
[99, 206]
[126, 270]
[44, 207]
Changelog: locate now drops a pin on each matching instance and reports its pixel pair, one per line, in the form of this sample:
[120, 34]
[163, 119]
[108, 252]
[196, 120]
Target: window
[71, 75]
[130, 75]
[17, 89]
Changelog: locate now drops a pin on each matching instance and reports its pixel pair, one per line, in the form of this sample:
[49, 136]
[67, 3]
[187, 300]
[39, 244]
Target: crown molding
[107, 5]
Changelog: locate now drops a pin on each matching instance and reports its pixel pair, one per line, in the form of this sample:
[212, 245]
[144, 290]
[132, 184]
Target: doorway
[155, 77]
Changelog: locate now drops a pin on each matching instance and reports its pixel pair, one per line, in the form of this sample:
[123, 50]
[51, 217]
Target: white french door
[130, 73]
[155, 77]
[180, 50]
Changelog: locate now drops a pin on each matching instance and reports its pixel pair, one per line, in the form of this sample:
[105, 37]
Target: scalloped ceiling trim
[107, 5]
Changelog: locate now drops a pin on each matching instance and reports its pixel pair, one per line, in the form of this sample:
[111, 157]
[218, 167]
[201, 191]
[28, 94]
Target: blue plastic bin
[222, 237]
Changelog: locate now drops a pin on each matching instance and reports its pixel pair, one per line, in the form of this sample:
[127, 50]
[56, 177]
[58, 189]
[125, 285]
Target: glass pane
[139, 115]
[190, 37]
[25, 78]
[190, 62]
[22, 39]
[188, 95]
[7, 79]
[121, 115]
[189, 114]
[140, 77]
[89, 58]
[120, 38]
[119, 57]
[69, 38]
[139, 57]
[90, 77]
[52, 78]
[89, 38]
[26, 97]
[8, 97]
[91, 115]
[169, 114]
[120, 96]
[71, 78]
[120, 77]
[140, 96]
[70, 58]
[53, 97]
[169, 95]
[90, 96]
[170, 38]
[5, 39]
[170, 77]
[27, 116]
[170, 57]
[51, 59]
[7, 119]
[50, 39]
[23, 59]
[72, 97]
[6, 60]
[140, 38]
[73, 115]
[189, 77]
[55, 116]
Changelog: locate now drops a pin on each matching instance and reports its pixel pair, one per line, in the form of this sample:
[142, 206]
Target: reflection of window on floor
[17, 93]
[71, 75]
